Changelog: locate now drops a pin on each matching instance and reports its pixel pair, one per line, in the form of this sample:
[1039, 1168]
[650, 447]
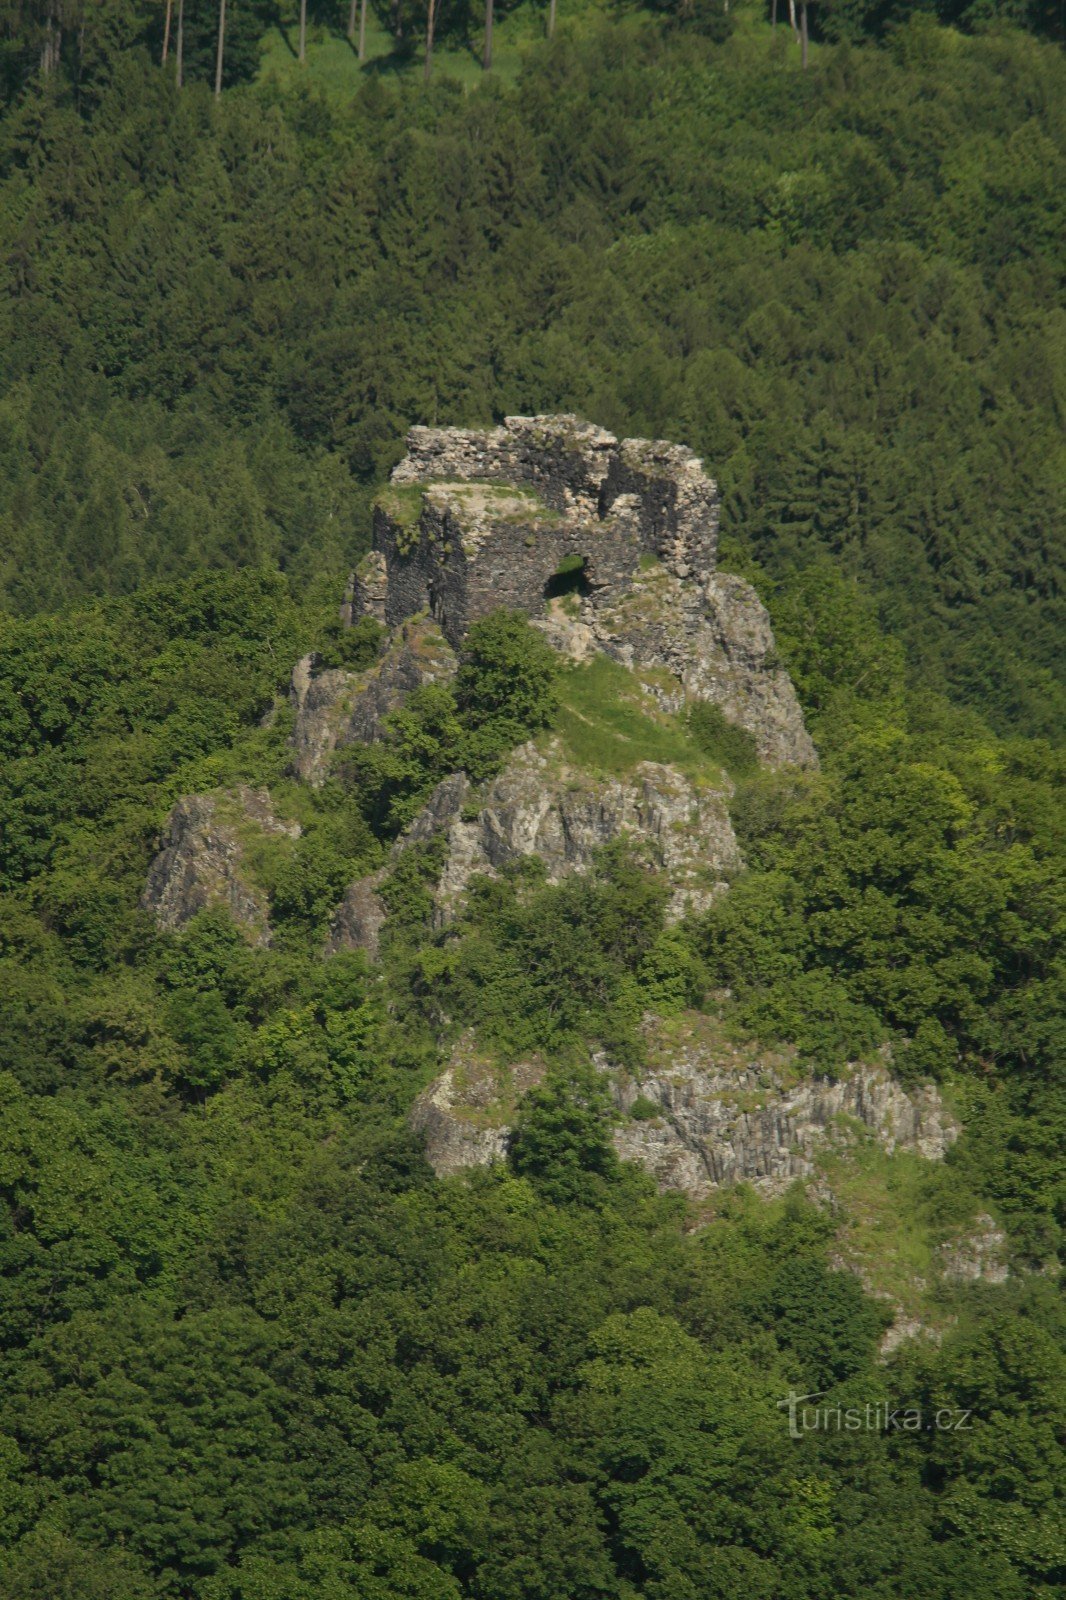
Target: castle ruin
[477, 519]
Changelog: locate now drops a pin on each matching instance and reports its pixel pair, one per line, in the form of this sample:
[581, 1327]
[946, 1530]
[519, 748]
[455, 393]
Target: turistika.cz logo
[876, 1416]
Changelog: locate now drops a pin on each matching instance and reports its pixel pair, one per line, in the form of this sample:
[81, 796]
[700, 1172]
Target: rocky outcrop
[542, 805]
[465, 1114]
[716, 642]
[203, 863]
[360, 917]
[702, 1117]
[337, 708]
[476, 519]
[711, 1126]
[976, 1256]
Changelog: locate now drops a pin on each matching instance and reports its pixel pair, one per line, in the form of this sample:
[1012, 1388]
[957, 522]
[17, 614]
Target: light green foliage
[503, 693]
[504, 689]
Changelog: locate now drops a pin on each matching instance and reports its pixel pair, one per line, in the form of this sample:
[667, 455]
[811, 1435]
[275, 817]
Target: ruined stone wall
[676, 504]
[410, 567]
[603, 501]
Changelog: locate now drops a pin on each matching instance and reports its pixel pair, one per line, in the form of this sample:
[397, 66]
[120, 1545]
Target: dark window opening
[571, 577]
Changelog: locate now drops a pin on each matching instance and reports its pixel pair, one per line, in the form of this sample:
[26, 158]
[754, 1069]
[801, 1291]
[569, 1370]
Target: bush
[732, 747]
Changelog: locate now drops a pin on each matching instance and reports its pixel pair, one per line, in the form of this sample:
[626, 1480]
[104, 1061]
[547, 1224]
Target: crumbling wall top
[579, 469]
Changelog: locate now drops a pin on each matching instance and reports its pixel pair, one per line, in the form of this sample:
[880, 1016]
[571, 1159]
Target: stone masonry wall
[577, 492]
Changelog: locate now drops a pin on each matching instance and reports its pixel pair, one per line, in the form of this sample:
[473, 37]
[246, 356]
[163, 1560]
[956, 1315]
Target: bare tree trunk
[303, 30]
[166, 32]
[179, 54]
[792, 19]
[219, 57]
[52, 43]
[353, 12]
[773, 15]
[431, 17]
[551, 18]
[486, 60]
[803, 34]
[362, 30]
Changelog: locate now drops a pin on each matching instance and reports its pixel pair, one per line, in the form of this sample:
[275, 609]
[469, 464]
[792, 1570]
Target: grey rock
[501, 508]
[465, 1114]
[367, 590]
[496, 511]
[716, 641]
[718, 1124]
[977, 1256]
[336, 708]
[360, 917]
[542, 805]
[202, 860]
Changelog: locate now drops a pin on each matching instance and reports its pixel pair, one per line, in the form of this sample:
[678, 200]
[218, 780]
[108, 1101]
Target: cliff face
[337, 708]
[714, 1125]
[476, 519]
[543, 805]
[709, 1115]
[465, 1114]
[714, 639]
[202, 861]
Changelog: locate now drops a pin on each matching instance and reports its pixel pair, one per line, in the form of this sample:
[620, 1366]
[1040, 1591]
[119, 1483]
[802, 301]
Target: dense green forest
[250, 1347]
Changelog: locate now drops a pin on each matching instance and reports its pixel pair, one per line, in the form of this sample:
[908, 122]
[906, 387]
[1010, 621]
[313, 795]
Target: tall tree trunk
[551, 18]
[353, 12]
[803, 34]
[773, 15]
[486, 60]
[431, 17]
[303, 30]
[362, 30]
[179, 53]
[792, 19]
[220, 55]
[52, 43]
[166, 32]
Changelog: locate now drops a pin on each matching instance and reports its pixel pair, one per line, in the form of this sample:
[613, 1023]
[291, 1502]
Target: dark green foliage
[548, 967]
[823, 1319]
[503, 693]
[562, 1137]
[723, 741]
[838, 287]
[354, 648]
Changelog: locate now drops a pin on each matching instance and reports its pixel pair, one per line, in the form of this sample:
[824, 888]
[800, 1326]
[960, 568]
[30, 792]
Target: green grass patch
[608, 724]
[402, 504]
[894, 1213]
[333, 68]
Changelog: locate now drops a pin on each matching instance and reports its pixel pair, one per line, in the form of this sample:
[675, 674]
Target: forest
[251, 1347]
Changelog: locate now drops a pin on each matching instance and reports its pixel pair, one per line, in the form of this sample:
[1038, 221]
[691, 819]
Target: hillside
[531, 844]
[839, 286]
